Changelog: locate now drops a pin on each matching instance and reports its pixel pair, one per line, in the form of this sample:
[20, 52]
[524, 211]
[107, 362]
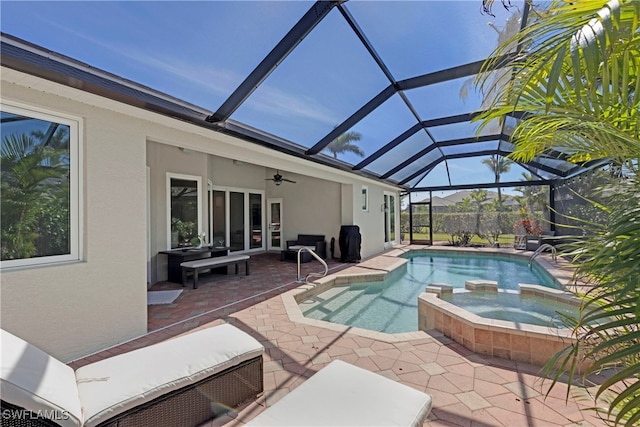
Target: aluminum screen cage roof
[393, 79]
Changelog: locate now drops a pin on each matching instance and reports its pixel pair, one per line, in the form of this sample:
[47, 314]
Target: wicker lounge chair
[183, 381]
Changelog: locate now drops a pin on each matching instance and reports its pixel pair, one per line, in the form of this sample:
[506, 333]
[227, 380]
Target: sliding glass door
[238, 218]
[389, 219]
[236, 221]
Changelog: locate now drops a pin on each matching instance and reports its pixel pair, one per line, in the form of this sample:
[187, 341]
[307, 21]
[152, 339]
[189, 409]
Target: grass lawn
[504, 239]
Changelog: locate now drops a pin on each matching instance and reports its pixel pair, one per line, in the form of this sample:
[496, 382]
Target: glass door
[274, 219]
[236, 221]
[255, 219]
[238, 218]
[389, 209]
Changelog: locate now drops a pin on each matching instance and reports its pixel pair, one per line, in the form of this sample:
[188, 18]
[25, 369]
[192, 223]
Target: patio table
[179, 255]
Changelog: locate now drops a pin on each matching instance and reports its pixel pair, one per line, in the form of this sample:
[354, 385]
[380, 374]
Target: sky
[199, 51]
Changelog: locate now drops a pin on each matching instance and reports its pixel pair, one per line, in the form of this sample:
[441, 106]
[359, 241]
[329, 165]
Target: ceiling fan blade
[288, 180]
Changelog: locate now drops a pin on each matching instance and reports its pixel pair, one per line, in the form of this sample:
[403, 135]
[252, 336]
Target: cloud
[276, 102]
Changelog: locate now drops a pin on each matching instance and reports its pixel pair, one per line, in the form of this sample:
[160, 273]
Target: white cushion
[297, 247]
[34, 380]
[114, 385]
[341, 394]
[214, 261]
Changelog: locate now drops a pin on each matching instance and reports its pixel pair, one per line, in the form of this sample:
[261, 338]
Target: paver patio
[467, 389]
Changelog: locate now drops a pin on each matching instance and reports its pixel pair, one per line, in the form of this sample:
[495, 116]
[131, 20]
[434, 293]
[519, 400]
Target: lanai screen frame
[403, 175]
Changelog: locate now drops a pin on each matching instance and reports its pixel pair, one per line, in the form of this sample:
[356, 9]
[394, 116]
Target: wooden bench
[198, 265]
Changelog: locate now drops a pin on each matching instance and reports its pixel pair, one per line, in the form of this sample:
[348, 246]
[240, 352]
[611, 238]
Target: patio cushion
[341, 394]
[119, 383]
[33, 380]
[297, 247]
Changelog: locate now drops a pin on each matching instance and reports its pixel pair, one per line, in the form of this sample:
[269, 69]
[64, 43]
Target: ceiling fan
[279, 179]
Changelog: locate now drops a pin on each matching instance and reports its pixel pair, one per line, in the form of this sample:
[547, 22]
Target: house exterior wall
[74, 309]
[310, 206]
[371, 221]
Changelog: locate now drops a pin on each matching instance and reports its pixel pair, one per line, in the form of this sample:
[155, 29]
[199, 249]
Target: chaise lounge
[183, 381]
[341, 394]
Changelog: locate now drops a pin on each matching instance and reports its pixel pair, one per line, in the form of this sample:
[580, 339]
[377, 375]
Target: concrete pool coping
[378, 267]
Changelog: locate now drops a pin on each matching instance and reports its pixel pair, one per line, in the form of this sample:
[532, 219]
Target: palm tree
[344, 143]
[478, 199]
[34, 186]
[488, 4]
[498, 165]
[578, 83]
[533, 198]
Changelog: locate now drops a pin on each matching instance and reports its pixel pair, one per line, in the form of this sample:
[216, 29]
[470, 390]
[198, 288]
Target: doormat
[162, 297]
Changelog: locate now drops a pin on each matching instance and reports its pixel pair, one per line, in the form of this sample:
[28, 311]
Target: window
[365, 198]
[184, 206]
[39, 185]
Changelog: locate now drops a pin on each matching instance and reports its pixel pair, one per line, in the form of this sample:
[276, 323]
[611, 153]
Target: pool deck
[467, 389]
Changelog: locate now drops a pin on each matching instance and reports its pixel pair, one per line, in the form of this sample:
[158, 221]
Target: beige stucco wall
[310, 206]
[371, 222]
[76, 308]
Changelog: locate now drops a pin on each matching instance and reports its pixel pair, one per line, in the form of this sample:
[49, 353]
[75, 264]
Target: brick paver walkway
[467, 389]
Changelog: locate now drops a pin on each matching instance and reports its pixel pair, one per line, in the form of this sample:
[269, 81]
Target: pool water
[513, 307]
[391, 305]
[455, 269]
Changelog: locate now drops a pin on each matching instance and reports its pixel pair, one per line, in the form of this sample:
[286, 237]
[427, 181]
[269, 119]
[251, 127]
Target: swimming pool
[391, 305]
[456, 269]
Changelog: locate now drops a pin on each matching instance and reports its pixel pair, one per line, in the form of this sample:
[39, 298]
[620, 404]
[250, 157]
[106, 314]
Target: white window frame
[198, 180]
[387, 195]
[364, 198]
[75, 183]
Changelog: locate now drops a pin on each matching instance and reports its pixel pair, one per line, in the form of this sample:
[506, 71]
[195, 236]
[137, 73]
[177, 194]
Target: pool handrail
[541, 248]
[316, 256]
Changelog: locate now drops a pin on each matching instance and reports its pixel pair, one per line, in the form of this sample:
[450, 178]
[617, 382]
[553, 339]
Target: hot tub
[508, 339]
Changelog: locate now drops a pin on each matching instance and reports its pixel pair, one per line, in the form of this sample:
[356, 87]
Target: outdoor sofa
[183, 381]
[314, 242]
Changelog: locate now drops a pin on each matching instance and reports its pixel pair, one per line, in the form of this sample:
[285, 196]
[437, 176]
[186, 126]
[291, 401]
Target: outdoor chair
[534, 242]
